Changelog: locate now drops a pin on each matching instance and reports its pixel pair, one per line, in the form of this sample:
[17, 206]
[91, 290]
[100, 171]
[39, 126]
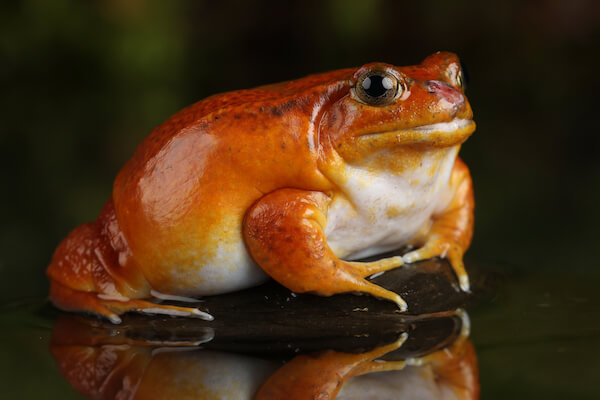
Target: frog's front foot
[437, 247]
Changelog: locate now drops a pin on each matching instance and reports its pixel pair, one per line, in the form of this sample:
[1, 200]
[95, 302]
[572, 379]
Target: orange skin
[243, 183]
[322, 376]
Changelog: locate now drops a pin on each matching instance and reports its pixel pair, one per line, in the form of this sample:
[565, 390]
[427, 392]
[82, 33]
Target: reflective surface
[533, 336]
[100, 361]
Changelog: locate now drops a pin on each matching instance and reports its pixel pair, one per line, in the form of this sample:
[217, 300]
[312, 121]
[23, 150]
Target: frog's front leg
[451, 231]
[284, 234]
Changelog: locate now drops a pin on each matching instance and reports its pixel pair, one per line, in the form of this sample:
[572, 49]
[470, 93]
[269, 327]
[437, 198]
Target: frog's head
[387, 106]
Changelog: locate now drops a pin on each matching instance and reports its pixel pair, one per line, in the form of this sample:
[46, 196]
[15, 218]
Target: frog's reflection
[102, 362]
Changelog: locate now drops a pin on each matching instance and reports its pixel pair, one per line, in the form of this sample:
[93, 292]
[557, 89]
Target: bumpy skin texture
[289, 179]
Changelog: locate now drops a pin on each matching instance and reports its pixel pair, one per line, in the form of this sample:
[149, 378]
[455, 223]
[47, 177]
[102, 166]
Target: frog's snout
[445, 91]
[447, 96]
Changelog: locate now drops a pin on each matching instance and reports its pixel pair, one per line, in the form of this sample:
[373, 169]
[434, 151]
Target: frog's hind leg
[455, 367]
[68, 299]
[111, 307]
[148, 307]
[284, 234]
[85, 275]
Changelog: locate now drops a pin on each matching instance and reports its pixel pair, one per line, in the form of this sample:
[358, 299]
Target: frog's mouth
[442, 134]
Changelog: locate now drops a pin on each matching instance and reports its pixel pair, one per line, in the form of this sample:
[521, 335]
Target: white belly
[228, 267]
[381, 210]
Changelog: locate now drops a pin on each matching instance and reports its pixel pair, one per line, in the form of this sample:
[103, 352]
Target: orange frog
[293, 181]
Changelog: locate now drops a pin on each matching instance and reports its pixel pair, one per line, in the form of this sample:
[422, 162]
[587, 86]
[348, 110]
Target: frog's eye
[463, 77]
[458, 76]
[378, 88]
[460, 79]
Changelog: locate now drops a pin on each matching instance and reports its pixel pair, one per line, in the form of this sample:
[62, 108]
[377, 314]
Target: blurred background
[82, 83]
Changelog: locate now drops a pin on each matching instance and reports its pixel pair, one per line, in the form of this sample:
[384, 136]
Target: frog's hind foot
[148, 307]
[111, 307]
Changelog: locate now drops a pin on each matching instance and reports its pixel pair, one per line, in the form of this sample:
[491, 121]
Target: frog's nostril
[436, 86]
[431, 86]
[444, 91]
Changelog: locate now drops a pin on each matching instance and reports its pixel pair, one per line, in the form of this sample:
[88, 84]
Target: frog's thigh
[284, 234]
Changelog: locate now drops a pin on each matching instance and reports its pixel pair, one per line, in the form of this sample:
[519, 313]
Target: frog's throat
[443, 134]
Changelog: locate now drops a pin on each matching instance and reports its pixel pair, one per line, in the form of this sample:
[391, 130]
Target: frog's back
[181, 199]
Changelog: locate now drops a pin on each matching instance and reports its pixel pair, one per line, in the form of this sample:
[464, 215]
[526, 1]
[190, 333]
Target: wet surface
[112, 358]
[534, 335]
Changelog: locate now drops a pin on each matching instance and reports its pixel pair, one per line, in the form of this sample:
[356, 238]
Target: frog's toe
[359, 270]
[378, 291]
[374, 268]
[422, 254]
[464, 283]
[455, 258]
[444, 250]
[148, 307]
[176, 312]
[70, 299]
[110, 307]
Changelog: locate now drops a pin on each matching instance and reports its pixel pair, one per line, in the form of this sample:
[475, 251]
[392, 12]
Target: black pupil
[374, 87]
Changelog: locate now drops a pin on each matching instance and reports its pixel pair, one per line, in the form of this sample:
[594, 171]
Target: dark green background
[82, 83]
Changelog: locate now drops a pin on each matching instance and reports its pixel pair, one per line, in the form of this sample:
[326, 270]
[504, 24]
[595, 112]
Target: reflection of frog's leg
[284, 233]
[457, 369]
[456, 365]
[450, 234]
[85, 276]
[110, 308]
[457, 344]
[104, 371]
[322, 376]
[454, 368]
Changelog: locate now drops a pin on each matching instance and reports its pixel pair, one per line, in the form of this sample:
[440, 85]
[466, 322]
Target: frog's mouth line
[442, 134]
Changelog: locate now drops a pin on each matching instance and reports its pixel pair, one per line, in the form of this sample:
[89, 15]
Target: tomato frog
[293, 181]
